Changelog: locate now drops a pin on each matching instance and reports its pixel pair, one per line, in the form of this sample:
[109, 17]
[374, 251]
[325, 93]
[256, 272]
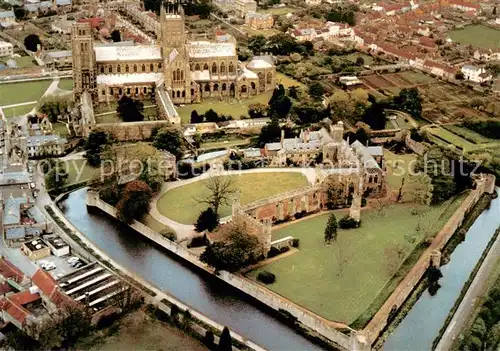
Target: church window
[244, 89]
[118, 69]
[183, 94]
[375, 179]
[145, 90]
[135, 68]
[126, 69]
[81, 47]
[144, 68]
[216, 87]
[173, 75]
[102, 69]
[269, 78]
[197, 67]
[214, 68]
[136, 91]
[253, 85]
[159, 65]
[223, 86]
[222, 68]
[110, 69]
[205, 66]
[173, 94]
[182, 75]
[178, 74]
[110, 91]
[231, 68]
[207, 87]
[103, 91]
[178, 93]
[151, 68]
[128, 91]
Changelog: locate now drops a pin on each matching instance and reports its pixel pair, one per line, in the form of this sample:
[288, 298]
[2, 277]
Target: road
[471, 299]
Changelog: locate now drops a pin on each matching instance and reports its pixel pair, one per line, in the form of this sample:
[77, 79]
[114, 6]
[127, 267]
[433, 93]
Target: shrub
[348, 222]
[296, 243]
[208, 340]
[284, 249]
[198, 241]
[273, 252]
[266, 277]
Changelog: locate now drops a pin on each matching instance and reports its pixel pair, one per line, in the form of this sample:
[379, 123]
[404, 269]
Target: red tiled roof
[24, 297]
[8, 270]
[5, 288]
[44, 281]
[59, 299]
[14, 310]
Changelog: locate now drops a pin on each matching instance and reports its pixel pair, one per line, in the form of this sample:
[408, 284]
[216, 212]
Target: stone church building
[174, 71]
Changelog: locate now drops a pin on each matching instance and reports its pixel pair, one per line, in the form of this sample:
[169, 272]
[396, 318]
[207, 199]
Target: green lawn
[468, 134]
[280, 10]
[312, 277]
[477, 35]
[235, 108]
[224, 144]
[416, 77]
[66, 84]
[60, 128]
[77, 174]
[150, 114]
[181, 205]
[452, 138]
[22, 62]
[152, 223]
[15, 93]
[352, 57]
[10, 112]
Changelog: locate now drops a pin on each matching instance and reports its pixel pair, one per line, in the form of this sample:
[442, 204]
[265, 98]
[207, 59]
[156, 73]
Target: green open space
[66, 84]
[15, 93]
[224, 144]
[79, 171]
[60, 128]
[10, 112]
[150, 114]
[454, 139]
[22, 62]
[233, 107]
[278, 11]
[313, 277]
[152, 223]
[477, 35]
[400, 168]
[417, 77]
[468, 134]
[182, 204]
[354, 56]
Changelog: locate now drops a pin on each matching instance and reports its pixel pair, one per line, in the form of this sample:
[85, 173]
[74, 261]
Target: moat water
[203, 293]
[421, 325]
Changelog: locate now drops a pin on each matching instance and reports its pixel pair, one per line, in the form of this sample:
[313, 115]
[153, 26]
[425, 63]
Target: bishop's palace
[175, 71]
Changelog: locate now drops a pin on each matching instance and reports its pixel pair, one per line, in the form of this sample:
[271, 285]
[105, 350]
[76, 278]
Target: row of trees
[209, 116]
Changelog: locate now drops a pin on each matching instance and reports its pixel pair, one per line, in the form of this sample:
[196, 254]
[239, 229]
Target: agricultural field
[461, 137]
[31, 91]
[477, 35]
[233, 107]
[181, 204]
[342, 280]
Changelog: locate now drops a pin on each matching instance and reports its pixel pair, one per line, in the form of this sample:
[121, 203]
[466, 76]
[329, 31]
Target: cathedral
[175, 70]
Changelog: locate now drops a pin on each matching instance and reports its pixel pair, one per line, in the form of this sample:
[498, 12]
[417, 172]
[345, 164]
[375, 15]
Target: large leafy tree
[31, 42]
[170, 139]
[220, 190]
[280, 104]
[225, 342]
[130, 110]
[410, 101]
[207, 220]
[134, 203]
[331, 229]
[94, 146]
[236, 251]
[56, 178]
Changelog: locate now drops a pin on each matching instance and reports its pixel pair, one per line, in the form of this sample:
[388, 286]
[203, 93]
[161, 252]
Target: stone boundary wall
[154, 300]
[280, 197]
[132, 131]
[275, 301]
[414, 146]
[485, 183]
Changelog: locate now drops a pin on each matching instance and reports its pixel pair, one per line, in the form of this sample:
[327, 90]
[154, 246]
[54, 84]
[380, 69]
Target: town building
[238, 7]
[476, 74]
[7, 18]
[257, 20]
[35, 249]
[6, 49]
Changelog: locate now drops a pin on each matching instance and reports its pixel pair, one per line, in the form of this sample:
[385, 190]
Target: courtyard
[342, 280]
[233, 107]
[15, 93]
[477, 35]
[181, 204]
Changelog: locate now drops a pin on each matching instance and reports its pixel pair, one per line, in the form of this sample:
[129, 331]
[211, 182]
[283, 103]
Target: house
[39, 145]
[257, 20]
[59, 60]
[35, 249]
[313, 2]
[464, 6]
[487, 54]
[57, 246]
[7, 18]
[6, 49]
[476, 74]
[304, 34]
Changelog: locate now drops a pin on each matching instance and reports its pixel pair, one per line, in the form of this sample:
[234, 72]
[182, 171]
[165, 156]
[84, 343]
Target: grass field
[312, 277]
[352, 57]
[451, 138]
[139, 331]
[152, 223]
[280, 11]
[399, 167]
[224, 144]
[468, 134]
[417, 77]
[10, 112]
[77, 174]
[477, 35]
[60, 128]
[66, 84]
[15, 93]
[22, 62]
[180, 204]
[235, 108]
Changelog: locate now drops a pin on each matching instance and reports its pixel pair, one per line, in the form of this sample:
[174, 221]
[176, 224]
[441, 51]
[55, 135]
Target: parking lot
[62, 266]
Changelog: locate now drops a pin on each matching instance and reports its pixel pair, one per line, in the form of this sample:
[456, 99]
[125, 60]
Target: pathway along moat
[208, 296]
[421, 325]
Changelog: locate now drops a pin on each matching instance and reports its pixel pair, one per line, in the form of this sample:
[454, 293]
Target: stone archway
[232, 90]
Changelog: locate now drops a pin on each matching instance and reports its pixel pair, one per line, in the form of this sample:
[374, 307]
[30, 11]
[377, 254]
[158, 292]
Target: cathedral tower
[173, 34]
[84, 67]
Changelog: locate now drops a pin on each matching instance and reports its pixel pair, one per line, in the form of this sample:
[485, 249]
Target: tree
[31, 42]
[410, 101]
[74, 322]
[316, 90]
[237, 250]
[116, 36]
[225, 341]
[207, 220]
[135, 200]
[270, 133]
[360, 61]
[56, 178]
[195, 117]
[208, 340]
[220, 190]
[494, 12]
[94, 146]
[256, 110]
[279, 103]
[130, 110]
[375, 116]
[171, 140]
[331, 229]
[211, 116]
[362, 133]
[20, 13]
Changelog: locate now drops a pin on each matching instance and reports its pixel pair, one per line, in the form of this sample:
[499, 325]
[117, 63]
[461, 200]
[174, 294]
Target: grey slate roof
[15, 233]
[366, 157]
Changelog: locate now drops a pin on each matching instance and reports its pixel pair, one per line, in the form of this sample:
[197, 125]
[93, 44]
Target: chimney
[282, 137]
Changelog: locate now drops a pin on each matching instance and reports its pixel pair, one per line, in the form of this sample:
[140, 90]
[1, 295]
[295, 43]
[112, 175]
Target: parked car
[73, 259]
